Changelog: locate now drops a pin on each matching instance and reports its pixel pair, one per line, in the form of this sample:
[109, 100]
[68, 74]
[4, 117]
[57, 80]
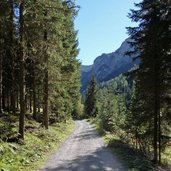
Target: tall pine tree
[149, 40]
[91, 98]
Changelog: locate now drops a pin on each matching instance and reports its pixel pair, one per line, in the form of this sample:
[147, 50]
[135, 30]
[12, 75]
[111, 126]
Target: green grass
[131, 158]
[166, 157]
[31, 153]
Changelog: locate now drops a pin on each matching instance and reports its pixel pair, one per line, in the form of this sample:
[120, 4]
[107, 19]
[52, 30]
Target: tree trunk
[45, 96]
[45, 85]
[34, 97]
[8, 101]
[1, 61]
[159, 137]
[34, 104]
[22, 74]
[38, 100]
[3, 99]
[26, 101]
[155, 137]
[45, 100]
[17, 98]
[156, 113]
[30, 103]
[12, 54]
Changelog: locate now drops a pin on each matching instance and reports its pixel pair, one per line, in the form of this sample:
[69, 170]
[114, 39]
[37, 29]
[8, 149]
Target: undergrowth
[131, 158]
[31, 153]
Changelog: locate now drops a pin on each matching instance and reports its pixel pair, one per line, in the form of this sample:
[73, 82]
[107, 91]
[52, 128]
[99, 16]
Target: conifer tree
[22, 70]
[1, 49]
[38, 60]
[91, 97]
[149, 40]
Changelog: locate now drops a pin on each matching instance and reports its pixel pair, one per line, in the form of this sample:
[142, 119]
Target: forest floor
[39, 143]
[84, 150]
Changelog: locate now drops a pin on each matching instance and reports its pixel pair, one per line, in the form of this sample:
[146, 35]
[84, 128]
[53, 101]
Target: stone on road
[84, 150]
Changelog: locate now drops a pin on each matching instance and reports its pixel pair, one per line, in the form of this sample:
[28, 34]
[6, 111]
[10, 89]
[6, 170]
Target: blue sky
[101, 26]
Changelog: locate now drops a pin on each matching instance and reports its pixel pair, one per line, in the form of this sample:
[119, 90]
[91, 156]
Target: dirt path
[83, 151]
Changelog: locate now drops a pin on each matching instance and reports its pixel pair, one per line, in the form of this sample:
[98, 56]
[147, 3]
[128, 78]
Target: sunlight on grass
[35, 149]
[131, 158]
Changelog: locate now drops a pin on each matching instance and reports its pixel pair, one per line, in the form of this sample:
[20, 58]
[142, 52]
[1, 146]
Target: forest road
[84, 150]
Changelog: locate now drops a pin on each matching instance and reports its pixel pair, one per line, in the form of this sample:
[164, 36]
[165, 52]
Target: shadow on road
[84, 150]
[86, 163]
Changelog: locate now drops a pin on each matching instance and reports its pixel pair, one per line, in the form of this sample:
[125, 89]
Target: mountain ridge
[109, 65]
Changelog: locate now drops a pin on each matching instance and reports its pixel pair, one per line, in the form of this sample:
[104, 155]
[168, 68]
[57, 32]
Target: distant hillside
[108, 66]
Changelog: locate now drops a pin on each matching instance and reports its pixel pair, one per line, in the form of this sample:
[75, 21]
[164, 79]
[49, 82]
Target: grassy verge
[166, 156]
[131, 158]
[31, 153]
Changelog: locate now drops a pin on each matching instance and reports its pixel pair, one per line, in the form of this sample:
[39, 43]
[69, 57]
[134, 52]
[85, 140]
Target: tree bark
[12, 54]
[38, 100]
[17, 99]
[22, 74]
[26, 101]
[156, 114]
[159, 137]
[3, 99]
[1, 60]
[34, 97]
[8, 101]
[45, 85]
[45, 100]
[30, 103]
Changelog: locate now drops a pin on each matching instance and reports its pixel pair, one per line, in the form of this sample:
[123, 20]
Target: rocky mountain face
[108, 66]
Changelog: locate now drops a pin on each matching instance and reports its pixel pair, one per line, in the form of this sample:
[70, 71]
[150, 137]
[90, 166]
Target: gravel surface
[84, 150]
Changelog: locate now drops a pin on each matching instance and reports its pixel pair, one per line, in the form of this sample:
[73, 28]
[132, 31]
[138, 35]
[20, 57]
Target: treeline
[146, 118]
[39, 72]
[152, 96]
[109, 102]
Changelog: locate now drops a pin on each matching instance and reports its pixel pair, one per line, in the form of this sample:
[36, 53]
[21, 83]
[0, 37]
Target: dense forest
[40, 81]
[137, 105]
[39, 72]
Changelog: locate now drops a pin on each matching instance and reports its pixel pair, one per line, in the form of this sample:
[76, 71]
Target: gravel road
[84, 150]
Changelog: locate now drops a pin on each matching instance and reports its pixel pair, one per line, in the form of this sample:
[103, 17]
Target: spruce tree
[38, 60]
[91, 98]
[2, 49]
[148, 39]
[22, 70]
